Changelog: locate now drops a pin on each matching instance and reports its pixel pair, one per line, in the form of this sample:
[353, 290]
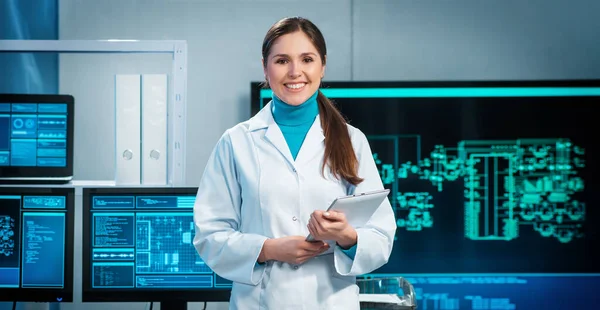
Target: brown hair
[338, 146]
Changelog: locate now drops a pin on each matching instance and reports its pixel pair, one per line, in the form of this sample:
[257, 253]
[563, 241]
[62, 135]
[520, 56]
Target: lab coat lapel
[313, 143]
[273, 135]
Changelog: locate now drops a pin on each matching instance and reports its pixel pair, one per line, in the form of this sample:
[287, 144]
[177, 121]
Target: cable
[14, 305]
[204, 308]
[151, 305]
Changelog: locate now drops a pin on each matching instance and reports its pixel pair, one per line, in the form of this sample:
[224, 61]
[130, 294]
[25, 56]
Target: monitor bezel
[64, 294]
[256, 86]
[35, 174]
[88, 294]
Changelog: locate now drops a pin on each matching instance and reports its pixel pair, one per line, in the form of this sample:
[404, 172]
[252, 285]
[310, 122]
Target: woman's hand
[332, 225]
[292, 250]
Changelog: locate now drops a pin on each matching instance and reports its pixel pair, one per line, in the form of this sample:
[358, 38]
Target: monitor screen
[36, 244]
[485, 177]
[138, 247]
[36, 137]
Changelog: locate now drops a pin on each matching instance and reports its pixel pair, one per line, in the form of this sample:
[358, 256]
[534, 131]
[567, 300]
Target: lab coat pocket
[338, 277]
[267, 276]
[349, 279]
[263, 303]
[347, 289]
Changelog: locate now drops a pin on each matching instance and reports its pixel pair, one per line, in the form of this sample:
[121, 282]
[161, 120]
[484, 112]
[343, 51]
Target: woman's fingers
[317, 223]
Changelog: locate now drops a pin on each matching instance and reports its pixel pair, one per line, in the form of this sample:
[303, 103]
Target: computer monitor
[36, 138]
[36, 244]
[138, 247]
[494, 184]
[485, 177]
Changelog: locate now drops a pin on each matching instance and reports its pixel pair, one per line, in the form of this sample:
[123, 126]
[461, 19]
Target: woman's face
[294, 68]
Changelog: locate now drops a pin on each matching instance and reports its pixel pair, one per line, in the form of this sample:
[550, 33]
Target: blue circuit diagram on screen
[508, 184]
[164, 244]
[7, 234]
[147, 242]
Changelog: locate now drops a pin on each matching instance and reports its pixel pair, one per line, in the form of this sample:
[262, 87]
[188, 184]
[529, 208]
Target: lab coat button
[294, 218]
[296, 267]
[294, 170]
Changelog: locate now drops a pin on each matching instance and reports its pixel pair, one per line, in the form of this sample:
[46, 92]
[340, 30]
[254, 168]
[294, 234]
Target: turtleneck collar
[289, 115]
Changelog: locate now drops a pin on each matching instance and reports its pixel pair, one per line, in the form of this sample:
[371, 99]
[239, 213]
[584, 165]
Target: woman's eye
[280, 61]
[308, 59]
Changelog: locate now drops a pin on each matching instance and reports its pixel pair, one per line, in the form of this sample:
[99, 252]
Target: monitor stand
[173, 305]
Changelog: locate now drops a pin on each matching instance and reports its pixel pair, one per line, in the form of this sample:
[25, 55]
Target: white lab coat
[252, 189]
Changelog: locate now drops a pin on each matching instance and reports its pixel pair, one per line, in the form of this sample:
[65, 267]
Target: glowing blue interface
[145, 242]
[503, 292]
[486, 181]
[32, 241]
[33, 134]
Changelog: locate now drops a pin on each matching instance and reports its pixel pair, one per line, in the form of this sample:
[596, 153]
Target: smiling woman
[294, 57]
[268, 180]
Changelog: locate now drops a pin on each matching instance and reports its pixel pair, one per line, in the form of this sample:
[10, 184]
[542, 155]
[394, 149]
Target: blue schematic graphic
[145, 241]
[7, 235]
[486, 184]
[164, 244]
[507, 184]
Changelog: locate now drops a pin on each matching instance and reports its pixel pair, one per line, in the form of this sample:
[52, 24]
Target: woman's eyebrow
[303, 54]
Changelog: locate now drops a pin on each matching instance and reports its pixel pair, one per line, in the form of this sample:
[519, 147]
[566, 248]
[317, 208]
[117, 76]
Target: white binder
[127, 129]
[154, 129]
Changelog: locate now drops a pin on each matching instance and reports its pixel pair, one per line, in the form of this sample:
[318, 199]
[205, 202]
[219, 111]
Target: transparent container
[393, 293]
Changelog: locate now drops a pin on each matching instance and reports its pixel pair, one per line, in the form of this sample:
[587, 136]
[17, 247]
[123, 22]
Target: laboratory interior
[299, 154]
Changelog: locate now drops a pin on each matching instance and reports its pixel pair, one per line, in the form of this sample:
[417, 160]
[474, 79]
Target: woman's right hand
[292, 250]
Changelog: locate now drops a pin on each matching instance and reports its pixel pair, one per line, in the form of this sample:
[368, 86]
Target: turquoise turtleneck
[295, 121]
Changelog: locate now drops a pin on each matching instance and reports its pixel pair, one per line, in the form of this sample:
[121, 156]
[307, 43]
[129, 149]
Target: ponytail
[339, 153]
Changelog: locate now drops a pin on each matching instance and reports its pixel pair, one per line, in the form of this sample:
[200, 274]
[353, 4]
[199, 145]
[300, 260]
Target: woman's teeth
[295, 86]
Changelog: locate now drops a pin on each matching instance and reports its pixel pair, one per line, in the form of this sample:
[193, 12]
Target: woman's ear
[264, 65]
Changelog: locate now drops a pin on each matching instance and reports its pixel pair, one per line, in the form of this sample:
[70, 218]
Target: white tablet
[357, 208]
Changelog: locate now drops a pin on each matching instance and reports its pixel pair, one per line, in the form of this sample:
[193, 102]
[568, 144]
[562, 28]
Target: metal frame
[177, 96]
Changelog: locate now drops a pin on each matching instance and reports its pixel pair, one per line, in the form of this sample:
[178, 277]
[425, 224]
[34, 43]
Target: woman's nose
[294, 71]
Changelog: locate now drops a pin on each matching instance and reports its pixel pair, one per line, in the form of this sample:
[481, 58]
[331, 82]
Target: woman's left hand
[332, 225]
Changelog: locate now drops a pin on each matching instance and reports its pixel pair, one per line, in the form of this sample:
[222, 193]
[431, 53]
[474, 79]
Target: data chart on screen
[33, 134]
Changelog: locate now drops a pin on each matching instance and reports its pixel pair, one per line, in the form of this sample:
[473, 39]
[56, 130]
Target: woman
[268, 179]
